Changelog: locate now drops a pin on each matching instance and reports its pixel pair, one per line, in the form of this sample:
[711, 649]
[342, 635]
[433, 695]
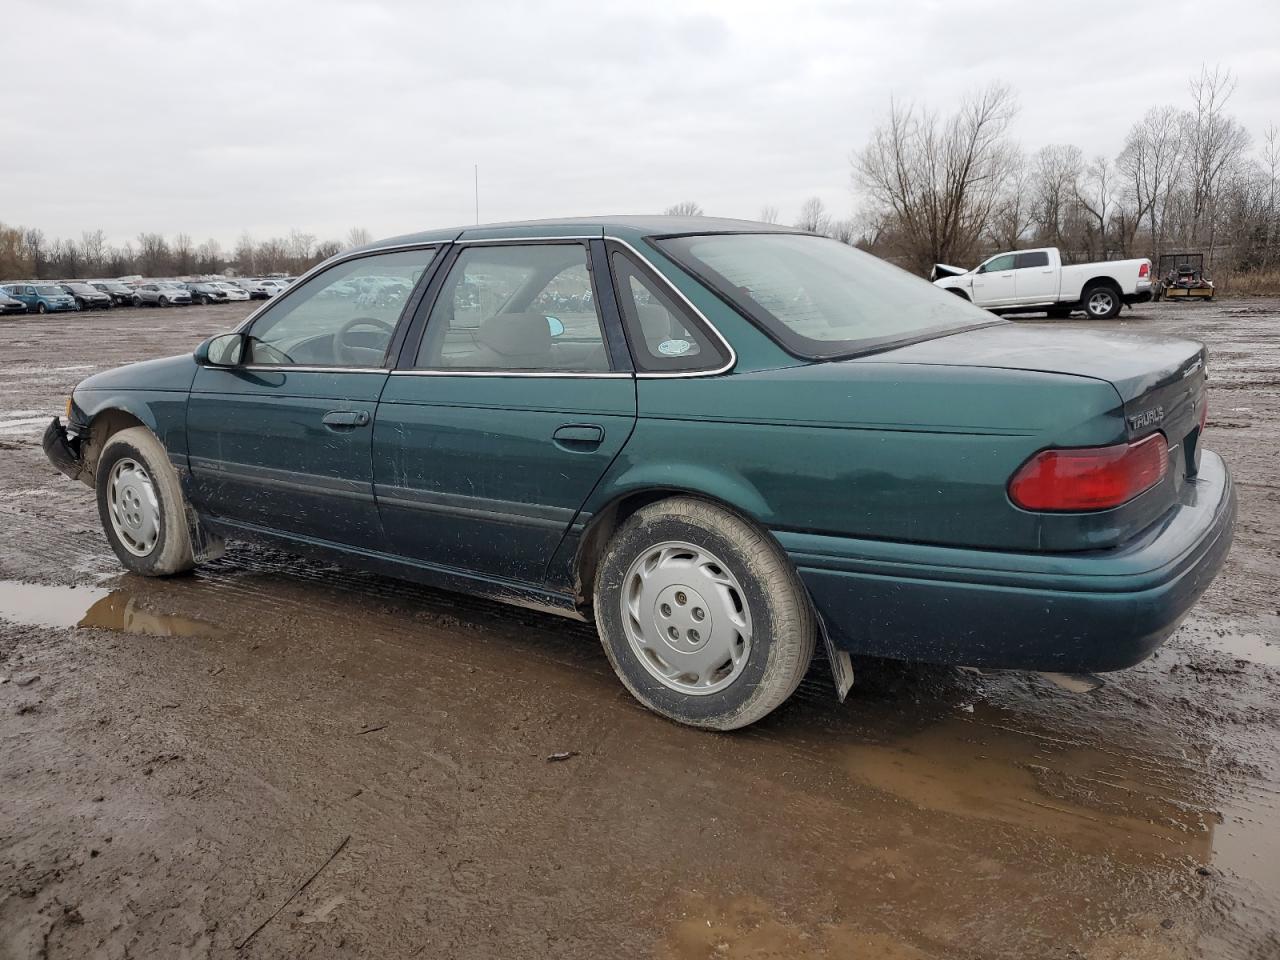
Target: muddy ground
[177, 758]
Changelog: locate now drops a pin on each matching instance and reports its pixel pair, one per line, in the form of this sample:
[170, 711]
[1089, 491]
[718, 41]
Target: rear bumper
[1076, 612]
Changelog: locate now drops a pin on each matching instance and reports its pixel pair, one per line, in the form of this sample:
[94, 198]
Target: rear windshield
[821, 298]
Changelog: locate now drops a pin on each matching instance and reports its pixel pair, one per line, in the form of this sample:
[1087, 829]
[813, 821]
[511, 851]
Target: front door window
[343, 317]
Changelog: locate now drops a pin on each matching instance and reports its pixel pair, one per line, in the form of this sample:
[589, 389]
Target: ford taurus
[723, 441]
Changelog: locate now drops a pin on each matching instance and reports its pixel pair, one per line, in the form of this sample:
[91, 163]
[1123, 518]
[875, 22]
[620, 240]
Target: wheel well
[101, 428]
[958, 292]
[1099, 282]
[603, 525]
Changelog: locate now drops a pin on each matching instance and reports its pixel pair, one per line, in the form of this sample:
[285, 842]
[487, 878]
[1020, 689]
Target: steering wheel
[355, 354]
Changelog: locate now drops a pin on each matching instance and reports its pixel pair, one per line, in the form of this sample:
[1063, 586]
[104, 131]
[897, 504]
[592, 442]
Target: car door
[281, 442]
[498, 423]
[993, 282]
[1034, 279]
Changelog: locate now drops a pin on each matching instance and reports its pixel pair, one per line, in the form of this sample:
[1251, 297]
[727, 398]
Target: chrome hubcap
[686, 618]
[1100, 302]
[134, 509]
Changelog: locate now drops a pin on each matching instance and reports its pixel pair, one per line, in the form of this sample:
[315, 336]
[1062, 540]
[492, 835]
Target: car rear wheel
[141, 505]
[701, 614]
[1101, 302]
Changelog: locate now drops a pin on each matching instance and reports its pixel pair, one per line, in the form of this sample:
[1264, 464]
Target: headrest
[516, 334]
[655, 321]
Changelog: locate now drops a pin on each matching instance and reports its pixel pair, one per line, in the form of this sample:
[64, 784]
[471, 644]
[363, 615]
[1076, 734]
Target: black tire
[171, 552]
[137, 302]
[204, 300]
[40, 308]
[783, 632]
[1101, 301]
[1058, 313]
[163, 301]
[79, 304]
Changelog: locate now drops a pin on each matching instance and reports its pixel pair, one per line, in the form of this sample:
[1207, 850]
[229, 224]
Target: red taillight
[1144, 270]
[1090, 478]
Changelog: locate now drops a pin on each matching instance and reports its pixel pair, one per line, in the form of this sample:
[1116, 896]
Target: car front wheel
[141, 505]
[41, 308]
[701, 614]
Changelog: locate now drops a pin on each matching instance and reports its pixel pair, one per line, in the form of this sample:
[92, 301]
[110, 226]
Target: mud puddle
[64, 607]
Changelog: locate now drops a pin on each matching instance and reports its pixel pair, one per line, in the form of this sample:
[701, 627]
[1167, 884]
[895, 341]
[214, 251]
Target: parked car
[255, 288]
[274, 285]
[87, 297]
[161, 294]
[9, 304]
[232, 291]
[42, 297]
[121, 294]
[747, 440]
[204, 292]
[1025, 281]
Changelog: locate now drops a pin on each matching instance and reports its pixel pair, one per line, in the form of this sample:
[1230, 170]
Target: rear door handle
[579, 437]
[345, 419]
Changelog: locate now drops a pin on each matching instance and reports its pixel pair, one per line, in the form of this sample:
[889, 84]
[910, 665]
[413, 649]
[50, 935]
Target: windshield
[48, 291]
[821, 298]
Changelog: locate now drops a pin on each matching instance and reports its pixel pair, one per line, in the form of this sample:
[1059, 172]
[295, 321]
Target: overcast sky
[215, 118]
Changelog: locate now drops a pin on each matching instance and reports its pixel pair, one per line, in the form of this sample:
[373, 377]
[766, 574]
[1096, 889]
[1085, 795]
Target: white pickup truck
[1027, 281]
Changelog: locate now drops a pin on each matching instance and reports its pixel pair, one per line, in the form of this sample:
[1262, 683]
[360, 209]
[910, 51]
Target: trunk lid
[1160, 380]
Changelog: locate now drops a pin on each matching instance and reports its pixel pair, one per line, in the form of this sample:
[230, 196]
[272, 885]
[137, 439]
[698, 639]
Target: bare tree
[33, 240]
[685, 208]
[326, 249]
[154, 257]
[1094, 194]
[183, 254]
[357, 237]
[245, 255]
[209, 257]
[93, 250]
[1271, 169]
[1057, 172]
[1150, 168]
[1014, 213]
[768, 214]
[1217, 143]
[814, 217]
[940, 180]
[300, 247]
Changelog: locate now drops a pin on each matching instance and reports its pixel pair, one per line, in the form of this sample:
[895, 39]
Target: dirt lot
[177, 758]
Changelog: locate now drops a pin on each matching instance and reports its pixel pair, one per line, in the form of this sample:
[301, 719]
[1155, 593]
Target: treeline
[27, 254]
[953, 189]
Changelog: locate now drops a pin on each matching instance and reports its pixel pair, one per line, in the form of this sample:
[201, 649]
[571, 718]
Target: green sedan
[725, 442]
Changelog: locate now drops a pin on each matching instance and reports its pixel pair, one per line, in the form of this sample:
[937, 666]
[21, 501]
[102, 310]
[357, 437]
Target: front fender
[162, 412]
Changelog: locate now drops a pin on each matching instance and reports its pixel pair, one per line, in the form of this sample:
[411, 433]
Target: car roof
[624, 227]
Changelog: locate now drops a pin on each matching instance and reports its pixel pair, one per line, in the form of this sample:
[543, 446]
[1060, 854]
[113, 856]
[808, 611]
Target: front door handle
[345, 419]
[579, 437]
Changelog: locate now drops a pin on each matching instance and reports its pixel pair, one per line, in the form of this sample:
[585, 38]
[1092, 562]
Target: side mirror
[556, 326]
[224, 350]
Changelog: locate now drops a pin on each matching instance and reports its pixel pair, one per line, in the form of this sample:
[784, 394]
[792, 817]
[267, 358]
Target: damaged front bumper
[63, 450]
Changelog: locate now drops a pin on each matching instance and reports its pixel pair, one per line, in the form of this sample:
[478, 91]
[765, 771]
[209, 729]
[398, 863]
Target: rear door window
[1034, 258]
[516, 307]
